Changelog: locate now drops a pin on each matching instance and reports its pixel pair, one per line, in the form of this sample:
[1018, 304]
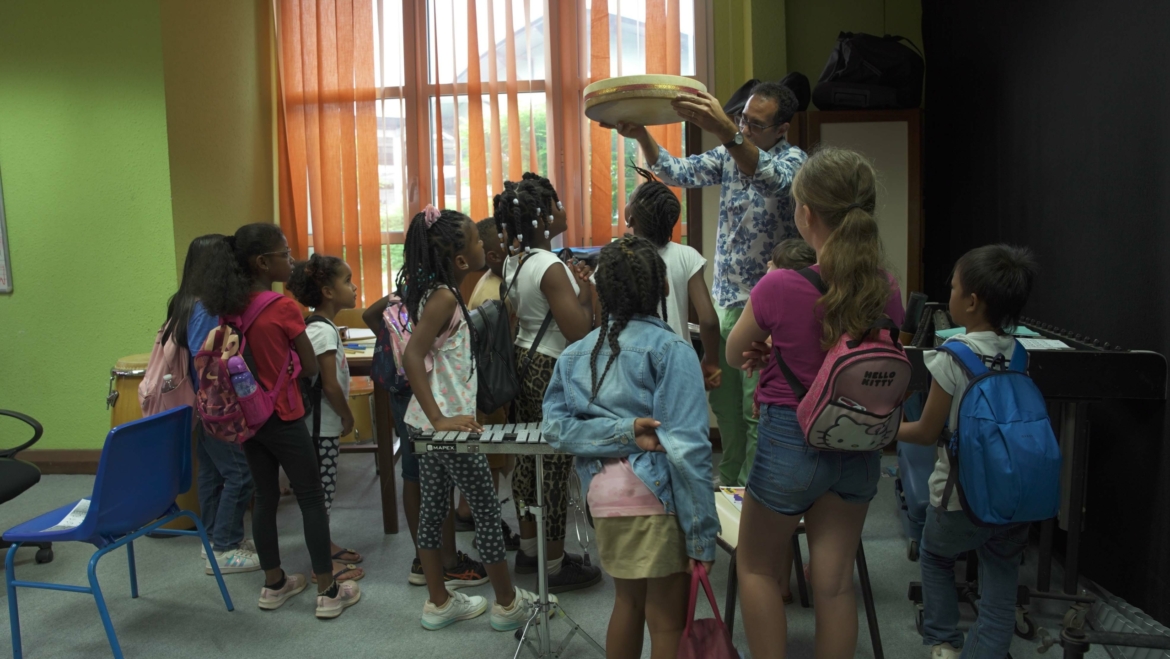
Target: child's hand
[692, 564]
[346, 422]
[646, 435]
[461, 423]
[712, 375]
[758, 357]
[755, 410]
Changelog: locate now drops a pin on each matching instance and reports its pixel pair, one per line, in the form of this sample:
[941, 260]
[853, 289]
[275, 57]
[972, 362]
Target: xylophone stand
[541, 617]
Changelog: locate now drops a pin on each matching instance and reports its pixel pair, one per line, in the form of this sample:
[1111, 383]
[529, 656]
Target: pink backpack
[855, 402]
[171, 359]
[225, 415]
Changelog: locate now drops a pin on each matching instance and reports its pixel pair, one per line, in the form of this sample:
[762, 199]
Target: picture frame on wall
[5, 259]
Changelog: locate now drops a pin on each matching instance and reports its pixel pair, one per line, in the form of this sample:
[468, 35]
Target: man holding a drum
[754, 168]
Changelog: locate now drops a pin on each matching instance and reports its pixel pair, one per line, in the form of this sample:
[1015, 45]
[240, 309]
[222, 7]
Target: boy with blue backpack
[998, 469]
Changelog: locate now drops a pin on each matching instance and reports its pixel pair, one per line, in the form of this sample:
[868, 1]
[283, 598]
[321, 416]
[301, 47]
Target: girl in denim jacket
[628, 401]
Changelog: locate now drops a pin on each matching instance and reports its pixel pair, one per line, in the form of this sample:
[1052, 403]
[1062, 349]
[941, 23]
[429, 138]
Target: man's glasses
[744, 124]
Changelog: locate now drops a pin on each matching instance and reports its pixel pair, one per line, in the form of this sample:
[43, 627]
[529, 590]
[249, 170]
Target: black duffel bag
[866, 72]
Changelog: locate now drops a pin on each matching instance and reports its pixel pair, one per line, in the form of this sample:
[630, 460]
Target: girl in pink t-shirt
[835, 195]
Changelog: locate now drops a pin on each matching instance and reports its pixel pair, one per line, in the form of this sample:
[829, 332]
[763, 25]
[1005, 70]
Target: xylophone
[514, 438]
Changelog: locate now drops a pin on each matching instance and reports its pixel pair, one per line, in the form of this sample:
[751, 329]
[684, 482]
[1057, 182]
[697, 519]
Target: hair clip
[560, 206]
[515, 201]
[500, 235]
[431, 215]
[527, 249]
[534, 223]
[551, 219]
[538, 210]
[546, 234]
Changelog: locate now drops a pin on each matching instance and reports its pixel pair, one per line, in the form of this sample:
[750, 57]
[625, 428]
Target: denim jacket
[655, 375]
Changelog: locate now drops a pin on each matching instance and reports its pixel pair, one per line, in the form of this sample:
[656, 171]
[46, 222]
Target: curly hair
[309, 277]
[199, 253]
[654, 209]
[429, 262]
[631, 281]
[793, 254]
[227, 284]
[840, 186]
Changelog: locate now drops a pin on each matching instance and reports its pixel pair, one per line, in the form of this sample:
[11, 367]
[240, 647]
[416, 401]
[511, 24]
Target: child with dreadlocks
[441, 248]
[545, 293]
[627, 401]
[651, 213]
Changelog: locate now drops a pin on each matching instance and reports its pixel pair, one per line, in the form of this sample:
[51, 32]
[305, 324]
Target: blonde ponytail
[840, 186]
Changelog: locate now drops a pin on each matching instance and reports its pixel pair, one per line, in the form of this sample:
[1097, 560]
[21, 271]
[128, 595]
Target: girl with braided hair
[651, 213]
[441, 249]
[528, 216]
[627, 401]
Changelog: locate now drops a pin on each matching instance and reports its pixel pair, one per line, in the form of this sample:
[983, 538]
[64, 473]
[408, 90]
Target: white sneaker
[515, 617]
[273, 599]
[458, 607]
[246, 544]
[348, 594]
[234, 561]
[944, 651]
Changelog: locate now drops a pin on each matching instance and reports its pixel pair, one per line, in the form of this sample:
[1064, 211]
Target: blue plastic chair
[144, 465]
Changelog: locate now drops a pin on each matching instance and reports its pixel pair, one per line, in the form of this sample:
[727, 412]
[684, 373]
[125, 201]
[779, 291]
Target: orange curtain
[600, 139]
[327, 137]
[663, 56]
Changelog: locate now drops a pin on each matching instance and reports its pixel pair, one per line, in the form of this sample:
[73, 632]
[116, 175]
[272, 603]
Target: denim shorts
[398, 404]
[788, 475]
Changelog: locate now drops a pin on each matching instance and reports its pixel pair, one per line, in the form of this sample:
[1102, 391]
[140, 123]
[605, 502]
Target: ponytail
[227, 281]
[840, 187]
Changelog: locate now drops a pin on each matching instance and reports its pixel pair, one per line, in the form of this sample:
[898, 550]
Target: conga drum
[123, 403]
[361, 397]
[638, 99]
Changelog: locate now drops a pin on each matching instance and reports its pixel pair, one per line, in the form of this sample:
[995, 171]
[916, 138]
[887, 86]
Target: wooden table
[359, 364]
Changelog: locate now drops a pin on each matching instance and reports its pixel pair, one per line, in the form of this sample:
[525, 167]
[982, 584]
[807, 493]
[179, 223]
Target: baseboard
[64, 461]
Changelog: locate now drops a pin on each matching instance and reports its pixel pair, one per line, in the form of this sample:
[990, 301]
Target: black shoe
[573, 576]
[463, 524]
[511, 540]
[526, 564]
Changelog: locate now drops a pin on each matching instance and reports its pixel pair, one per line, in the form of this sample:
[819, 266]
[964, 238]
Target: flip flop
[349, 567]
[337, 556]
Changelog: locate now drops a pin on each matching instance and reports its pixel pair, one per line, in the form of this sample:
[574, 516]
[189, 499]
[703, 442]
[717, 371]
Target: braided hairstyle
[654, 209]
[429, 262]
[516, 210]
[631, 280]
[309, 277]
[541, 188]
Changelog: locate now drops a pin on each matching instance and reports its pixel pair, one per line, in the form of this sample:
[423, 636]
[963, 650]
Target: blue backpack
[1005, 460]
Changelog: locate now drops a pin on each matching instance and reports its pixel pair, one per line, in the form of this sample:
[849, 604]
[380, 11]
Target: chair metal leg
[732, 590]
[227, 599]
[13, 617]
[875, 636]
[133, 571]
[798, 562]
[101, 603]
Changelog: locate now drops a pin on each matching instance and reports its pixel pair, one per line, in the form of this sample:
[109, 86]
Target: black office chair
[16, 476]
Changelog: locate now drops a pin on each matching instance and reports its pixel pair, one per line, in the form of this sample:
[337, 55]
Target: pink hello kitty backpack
[855, 402]
[225, 415]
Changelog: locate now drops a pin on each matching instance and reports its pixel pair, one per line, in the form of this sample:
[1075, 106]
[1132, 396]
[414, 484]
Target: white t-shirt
[949, 375]
[326, 338]
[530, 303]
[682, 262]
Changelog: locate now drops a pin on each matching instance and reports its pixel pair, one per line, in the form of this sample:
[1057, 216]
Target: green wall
[83, 156]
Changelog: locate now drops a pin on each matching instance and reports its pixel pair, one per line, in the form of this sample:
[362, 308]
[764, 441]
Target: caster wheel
[912, 551]
[919, 619]
[1025, 627]
[44, 555]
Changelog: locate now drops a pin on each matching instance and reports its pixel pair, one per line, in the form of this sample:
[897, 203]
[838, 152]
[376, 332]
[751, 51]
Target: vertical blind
[388, 105]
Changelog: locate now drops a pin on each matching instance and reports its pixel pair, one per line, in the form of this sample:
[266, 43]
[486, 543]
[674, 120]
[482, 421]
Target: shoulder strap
[971, 363]
[535, 344]
[256, 307]
[814, 278]
[897, 38]
[515, 276]
[952, 479]
[317, 388]
[793, 382]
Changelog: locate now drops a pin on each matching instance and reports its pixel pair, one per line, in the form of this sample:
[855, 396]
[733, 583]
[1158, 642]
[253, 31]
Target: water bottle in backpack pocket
[1005, 460]
[855, 401]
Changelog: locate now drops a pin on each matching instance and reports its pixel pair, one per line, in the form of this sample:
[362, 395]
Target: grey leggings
[470, 473]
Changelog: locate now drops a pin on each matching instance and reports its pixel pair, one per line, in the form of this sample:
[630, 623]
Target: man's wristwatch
[735, 141]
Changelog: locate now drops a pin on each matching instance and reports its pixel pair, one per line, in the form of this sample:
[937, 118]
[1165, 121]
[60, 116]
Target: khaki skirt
[646, 547]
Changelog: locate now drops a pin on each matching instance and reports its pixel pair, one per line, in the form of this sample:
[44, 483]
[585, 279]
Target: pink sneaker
[348, 594]
[271, 599]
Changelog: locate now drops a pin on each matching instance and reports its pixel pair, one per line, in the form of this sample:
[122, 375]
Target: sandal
[345, 569]
[338, 556]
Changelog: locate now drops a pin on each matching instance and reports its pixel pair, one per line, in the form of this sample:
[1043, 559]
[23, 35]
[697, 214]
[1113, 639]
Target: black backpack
[312, 389]
[866, 72]
[499, 380]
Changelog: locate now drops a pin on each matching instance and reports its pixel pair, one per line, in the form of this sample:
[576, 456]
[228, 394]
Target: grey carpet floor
[180, 614]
